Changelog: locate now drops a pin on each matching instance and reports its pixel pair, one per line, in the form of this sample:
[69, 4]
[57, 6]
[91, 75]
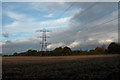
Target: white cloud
[2, 43]
[48, 6]
[21, 25]
[52, 46]
[48, 16]
[15, 15]
[86, 38]
[90, 39]
[105, 41]
[74, 44]
[13, 25]
[57, 21]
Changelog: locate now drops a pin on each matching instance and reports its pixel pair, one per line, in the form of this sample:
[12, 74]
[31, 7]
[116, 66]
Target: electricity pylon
[44, 37]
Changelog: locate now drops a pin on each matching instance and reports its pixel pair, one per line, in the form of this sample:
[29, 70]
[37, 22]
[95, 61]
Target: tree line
[113, 48]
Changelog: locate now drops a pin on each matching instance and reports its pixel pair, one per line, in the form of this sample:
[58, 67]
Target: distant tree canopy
[114, 47]
[32, 50]
[59, 49]
[15, 53]
[65, 51]
[98, 50]
[62, 51]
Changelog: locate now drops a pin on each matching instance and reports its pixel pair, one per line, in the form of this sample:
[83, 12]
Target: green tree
[15, 54]
[100, 49]
[114, 48]
[66, 51]
[57, 51]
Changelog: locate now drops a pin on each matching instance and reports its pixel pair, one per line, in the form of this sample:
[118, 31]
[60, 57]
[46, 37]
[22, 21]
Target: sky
[78, 25]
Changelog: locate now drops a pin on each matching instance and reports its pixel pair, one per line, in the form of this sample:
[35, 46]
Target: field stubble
[100, 67]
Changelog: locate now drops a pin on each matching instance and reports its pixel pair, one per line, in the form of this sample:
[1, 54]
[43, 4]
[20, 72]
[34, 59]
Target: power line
[96, 18]
[85, 10]
[66, 10]
[103, 24]
[86, 23]
[88, 8]
[106, 23]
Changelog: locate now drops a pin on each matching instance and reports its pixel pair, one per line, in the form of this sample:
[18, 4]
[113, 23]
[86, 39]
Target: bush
[99, 49]
[114, 48]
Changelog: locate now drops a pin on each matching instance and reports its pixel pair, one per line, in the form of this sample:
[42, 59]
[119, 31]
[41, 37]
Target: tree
[99, 49]
[15, 54]
[62, 51]
[67, 49]
[58, 49]
[31, 51]
[92, 51]
[114, 48]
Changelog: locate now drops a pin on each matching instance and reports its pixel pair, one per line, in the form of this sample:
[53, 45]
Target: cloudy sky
[78, 25]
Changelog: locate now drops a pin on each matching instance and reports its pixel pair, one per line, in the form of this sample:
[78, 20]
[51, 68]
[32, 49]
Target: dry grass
[87, 67]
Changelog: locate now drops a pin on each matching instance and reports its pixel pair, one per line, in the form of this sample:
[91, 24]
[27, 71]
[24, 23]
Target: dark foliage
[114, 48]
[66, 51]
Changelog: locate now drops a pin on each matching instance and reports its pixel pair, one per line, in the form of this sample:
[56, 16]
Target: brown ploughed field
[85, 67]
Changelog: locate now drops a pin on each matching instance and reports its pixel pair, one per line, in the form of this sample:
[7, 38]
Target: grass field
[87, 67]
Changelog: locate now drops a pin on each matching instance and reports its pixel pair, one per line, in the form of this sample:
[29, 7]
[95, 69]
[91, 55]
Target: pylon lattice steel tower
[44, 37]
